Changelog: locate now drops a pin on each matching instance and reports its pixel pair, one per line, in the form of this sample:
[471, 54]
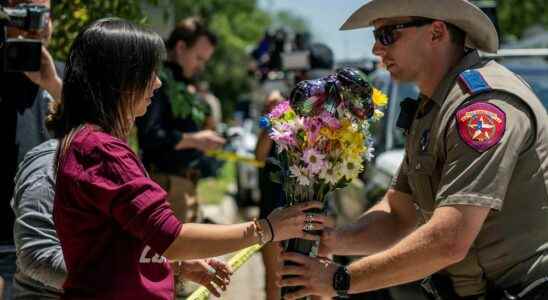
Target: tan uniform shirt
[443, 167]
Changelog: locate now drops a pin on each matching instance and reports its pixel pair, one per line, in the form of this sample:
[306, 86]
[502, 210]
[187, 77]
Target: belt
[437, 291]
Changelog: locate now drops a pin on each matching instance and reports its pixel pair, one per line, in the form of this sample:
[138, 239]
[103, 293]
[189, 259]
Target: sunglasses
[385, 34]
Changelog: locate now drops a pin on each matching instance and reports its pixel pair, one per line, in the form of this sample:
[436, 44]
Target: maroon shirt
[112, 220]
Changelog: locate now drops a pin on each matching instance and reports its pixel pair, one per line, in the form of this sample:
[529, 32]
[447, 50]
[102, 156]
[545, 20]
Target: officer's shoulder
[473, 83]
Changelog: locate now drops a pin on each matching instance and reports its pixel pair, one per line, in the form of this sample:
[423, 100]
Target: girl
[116, 229]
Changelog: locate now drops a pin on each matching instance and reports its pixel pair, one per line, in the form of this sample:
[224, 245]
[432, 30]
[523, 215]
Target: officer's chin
[400, 77]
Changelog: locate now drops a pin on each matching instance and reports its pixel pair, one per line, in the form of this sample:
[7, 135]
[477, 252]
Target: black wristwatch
[341, 282]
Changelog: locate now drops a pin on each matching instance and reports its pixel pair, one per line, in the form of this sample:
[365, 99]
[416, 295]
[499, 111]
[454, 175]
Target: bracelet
[177, 272]
[260, 232]
[271, 229]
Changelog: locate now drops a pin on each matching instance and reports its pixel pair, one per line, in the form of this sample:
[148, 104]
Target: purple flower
[279, 110]
[331, 121]
[283, 136]
[312, 126]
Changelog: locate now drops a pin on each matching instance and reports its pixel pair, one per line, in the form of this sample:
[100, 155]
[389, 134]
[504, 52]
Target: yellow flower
[327, 133]
[354, 152]
[379, 98]
[289, 115]
[346, 123]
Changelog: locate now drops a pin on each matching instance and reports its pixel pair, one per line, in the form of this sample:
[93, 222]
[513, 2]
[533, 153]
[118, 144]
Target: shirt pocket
[421, 170]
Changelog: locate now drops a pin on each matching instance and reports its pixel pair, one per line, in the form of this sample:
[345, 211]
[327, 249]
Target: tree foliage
[515, 16]
[239, 24]
[70, 16]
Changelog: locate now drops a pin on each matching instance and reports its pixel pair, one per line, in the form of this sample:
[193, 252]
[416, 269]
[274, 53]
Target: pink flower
[331, 121]
[279, 110]
[312, 126]
[314, 160]
[283, 137]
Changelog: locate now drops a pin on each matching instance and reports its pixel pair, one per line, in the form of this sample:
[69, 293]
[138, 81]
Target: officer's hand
[211, 273]
[314, 275]
[47, 77]
[205, 140]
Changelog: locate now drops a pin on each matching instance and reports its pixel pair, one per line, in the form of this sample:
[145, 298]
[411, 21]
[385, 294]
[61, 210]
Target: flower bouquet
[322, 139]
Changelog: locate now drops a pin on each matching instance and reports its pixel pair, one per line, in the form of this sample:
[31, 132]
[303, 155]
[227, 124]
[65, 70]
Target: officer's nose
[379, 49]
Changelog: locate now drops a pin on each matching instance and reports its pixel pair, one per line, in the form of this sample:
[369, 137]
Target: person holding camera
[24, 99]
[171, 135]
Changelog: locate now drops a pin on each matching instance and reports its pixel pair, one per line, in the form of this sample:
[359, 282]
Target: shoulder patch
[481, 125]
[474, 82]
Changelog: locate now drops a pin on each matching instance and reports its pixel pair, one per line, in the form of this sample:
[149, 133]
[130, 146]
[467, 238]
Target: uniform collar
[471, 59]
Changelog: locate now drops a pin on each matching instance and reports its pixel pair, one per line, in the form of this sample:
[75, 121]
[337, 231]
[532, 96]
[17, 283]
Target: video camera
[17, 54]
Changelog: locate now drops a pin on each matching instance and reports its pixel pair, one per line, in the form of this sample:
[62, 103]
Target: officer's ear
[439, 32]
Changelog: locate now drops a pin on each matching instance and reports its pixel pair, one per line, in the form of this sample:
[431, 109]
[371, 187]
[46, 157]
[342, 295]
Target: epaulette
[473, 82]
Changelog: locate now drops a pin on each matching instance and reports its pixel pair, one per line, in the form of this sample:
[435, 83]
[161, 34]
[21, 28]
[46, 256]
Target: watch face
[341, 280]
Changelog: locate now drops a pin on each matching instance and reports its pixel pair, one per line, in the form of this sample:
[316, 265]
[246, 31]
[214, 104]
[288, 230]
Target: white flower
[330, 174]
[351, 168]
[300, 174]
[377, 115]
[314, 160]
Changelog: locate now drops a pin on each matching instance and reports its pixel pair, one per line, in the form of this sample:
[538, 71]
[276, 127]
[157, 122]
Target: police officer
[476, 166]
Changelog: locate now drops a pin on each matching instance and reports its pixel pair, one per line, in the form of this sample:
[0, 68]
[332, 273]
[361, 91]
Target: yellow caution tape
[235, 263]
[233, 156]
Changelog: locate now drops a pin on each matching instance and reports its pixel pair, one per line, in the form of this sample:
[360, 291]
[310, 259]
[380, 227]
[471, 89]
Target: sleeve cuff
[471, 199]
[167, 235]
[160, 227]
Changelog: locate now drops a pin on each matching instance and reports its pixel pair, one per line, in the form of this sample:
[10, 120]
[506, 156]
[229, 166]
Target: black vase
[305, 247]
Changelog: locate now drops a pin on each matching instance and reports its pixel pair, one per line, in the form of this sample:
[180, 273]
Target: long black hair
[110, 65]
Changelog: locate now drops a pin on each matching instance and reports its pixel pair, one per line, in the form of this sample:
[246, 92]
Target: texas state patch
[481, 125]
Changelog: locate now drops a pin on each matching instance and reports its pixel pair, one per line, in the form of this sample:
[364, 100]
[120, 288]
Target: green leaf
[276, 177]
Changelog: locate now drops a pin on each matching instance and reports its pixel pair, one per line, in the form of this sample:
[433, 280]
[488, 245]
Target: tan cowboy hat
[480, 31]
